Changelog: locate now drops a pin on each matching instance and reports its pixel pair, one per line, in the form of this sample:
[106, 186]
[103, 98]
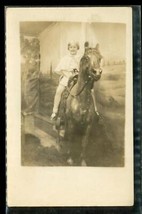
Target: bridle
[82, 89]
[90, 78]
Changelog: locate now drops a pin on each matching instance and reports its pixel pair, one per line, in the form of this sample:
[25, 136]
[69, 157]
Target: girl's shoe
[53, 116]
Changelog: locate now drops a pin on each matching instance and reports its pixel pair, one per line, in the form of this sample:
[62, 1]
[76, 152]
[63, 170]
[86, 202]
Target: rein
[86, 82]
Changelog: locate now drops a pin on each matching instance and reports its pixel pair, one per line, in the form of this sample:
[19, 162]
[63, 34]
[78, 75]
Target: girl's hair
[73, 43]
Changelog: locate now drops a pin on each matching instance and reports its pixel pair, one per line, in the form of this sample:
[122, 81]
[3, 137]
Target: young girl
[65, 68]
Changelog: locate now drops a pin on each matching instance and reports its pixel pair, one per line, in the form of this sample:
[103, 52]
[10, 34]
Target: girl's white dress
[67, 64]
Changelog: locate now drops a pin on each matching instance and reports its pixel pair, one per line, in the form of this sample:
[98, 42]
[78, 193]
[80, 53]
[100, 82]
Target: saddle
[62, 107]
[71, 83]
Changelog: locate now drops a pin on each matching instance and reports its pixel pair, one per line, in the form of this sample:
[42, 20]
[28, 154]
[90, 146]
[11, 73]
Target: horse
[80, 106]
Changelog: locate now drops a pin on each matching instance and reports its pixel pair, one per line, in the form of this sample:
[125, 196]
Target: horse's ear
[86, 44]
[97, 46]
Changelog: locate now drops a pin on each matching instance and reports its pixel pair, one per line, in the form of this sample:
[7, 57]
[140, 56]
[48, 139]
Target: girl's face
[73, 49]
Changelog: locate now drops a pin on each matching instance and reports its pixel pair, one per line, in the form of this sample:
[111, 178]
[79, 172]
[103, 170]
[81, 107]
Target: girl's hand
[66, 73]
[75, 71]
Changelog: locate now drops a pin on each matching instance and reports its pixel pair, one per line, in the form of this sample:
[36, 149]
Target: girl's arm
[67, 73]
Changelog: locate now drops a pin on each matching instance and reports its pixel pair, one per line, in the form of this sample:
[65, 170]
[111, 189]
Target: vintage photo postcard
[69, 83]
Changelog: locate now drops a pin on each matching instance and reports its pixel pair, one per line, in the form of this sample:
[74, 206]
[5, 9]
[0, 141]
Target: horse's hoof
[83, 163]
[70, 161]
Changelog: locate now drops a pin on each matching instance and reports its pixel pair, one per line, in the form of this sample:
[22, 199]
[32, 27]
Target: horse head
[90, 63]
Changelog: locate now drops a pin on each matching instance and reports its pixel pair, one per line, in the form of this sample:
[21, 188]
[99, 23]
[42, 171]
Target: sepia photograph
[72, 88]
[72, 93]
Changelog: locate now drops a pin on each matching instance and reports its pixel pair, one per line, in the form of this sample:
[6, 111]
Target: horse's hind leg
[67, 141]
[72, 150]
[75, 149]
[84, 145]
[73, 144]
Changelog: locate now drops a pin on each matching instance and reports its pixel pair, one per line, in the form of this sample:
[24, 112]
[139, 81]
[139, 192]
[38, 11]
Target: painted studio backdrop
[42, 45]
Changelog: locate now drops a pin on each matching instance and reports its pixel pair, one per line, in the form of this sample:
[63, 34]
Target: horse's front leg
[94, 102]
[84, 145]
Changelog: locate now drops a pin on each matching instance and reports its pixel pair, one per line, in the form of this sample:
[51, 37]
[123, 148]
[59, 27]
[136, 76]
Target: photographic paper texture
[69, 106]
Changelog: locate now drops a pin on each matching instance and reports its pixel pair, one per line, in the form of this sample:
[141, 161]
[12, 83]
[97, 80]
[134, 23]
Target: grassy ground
[106, 147]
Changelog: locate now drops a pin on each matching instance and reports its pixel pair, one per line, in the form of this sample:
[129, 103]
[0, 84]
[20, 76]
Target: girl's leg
[57, 98]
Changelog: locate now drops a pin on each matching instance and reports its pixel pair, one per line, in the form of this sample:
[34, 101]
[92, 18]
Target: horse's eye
[94, 71]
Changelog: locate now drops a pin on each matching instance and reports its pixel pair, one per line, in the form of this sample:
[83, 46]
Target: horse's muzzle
[97, 77]
[97, 74]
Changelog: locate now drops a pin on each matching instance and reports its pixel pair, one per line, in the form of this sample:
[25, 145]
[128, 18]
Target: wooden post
[51, 70]
[28, 123]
